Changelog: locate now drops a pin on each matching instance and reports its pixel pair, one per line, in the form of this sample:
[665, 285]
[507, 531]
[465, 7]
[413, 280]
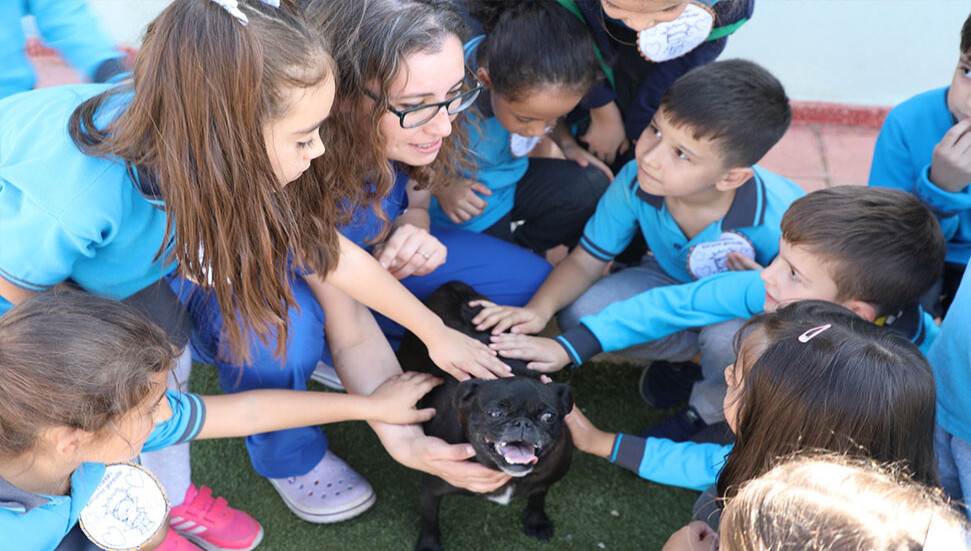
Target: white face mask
[673, 39]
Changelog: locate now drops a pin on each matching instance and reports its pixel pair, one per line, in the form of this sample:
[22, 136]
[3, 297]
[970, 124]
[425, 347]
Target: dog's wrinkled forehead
[514, 391]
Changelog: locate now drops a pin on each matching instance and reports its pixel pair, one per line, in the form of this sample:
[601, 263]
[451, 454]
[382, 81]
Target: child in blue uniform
[85, 385]
[637, 76]
[694, 195]
[873, 251]
[950, 356]
[66, 25]
[924, 147]
[536, 62]
[809, 376]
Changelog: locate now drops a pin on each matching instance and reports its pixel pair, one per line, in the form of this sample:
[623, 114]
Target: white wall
[869, 52]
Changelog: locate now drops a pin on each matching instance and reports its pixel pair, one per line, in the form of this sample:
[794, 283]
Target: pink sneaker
[174, 542]
[212, 524]
[331, 492]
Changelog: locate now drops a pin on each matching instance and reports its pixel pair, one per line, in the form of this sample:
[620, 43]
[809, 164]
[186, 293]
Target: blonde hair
[840, 503]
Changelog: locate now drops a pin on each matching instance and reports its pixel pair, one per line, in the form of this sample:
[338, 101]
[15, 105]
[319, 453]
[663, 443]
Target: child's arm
[361, 277]
[606, 135]
[410, 248]
[266, 410]
[684, 464]
[565, 283]
[573, 151]
[461, 202]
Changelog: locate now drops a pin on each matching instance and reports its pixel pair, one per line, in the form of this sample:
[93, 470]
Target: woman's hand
[448, 462]
[395, 400]
[461, 201]
[410, 250]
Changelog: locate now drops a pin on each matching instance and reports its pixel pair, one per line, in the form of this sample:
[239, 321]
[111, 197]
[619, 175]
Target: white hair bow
[232, 8]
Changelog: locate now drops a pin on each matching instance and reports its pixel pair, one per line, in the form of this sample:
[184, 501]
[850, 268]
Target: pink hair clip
[810, 333]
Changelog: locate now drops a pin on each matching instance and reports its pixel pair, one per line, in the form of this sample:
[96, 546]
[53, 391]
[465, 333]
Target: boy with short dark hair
[924, 147]
[694, 195]
[874, 251]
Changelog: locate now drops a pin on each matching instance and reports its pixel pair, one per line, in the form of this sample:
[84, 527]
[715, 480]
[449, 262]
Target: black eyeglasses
[417, 116]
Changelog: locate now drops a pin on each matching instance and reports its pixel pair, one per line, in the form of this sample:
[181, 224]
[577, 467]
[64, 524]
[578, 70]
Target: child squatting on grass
[84, 385]
[811, 375]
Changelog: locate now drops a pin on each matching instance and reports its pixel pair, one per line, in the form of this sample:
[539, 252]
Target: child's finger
[954, 134]
[423, 415]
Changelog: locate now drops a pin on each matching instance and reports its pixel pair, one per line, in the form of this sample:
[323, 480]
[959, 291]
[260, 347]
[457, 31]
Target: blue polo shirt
[39, 522]
[662, 311]
[902, 160]
[751, 222]
[951, 359]
[66, 215]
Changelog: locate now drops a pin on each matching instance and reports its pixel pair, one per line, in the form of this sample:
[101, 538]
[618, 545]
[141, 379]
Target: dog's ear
[465, 393]
[566, 396]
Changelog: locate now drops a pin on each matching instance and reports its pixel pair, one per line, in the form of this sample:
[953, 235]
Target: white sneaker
[331, 492]
[327, 376]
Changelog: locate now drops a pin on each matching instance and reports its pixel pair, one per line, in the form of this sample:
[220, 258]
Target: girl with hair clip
[199, 172]
[644, 46]
[831, 503]
[811, 375]
[85, 385]
[536, 62]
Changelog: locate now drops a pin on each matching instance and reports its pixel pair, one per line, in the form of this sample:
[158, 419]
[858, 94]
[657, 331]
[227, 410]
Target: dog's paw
[537, 525]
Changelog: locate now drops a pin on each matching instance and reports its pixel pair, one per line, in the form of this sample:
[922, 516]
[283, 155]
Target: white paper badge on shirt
[673, 39]
[126, 510]
[705, 259]
[521, 145]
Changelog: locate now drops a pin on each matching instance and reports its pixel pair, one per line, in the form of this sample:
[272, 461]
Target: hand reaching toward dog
[507, 318]
[587, 437]
[449, 462]
[463, 357]
[395, 400]
[542, 354]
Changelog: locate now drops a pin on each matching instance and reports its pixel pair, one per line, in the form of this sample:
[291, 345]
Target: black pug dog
[515, 424]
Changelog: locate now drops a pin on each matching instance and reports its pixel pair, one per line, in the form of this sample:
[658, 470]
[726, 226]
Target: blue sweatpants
[499, 270]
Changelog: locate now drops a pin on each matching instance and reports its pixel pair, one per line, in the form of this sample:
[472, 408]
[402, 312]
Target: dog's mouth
[517, 453]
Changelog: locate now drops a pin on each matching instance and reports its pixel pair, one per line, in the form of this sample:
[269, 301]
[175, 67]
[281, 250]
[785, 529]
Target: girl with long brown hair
[199, 172]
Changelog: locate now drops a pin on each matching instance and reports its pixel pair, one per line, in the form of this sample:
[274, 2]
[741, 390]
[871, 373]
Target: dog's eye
[548, 417]
[495, 413]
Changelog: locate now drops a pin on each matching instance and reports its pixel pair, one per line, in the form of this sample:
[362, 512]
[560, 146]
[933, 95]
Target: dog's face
[513, 422]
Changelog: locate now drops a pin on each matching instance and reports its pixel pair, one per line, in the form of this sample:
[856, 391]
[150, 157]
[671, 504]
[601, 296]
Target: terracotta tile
[811, 184]
[797, 155]
[848, 152]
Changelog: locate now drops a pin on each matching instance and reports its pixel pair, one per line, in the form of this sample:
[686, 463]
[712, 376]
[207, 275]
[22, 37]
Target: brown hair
[855, 388]
[839, 503]
[204, 87]
[966, 36]
[73, 359]
[371, 40]
[882, 246]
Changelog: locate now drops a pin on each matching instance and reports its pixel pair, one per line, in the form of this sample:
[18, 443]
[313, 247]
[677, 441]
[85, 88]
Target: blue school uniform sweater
[39, 522]
[66, 215]
[902, 160]
[67, 26]
[950, 356]
[754, 217]
[662, 311]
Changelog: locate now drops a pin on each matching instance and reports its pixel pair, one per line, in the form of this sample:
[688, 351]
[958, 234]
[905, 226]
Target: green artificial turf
[597, 505]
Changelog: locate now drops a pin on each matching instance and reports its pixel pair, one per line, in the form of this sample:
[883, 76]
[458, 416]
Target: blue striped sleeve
[188, 418]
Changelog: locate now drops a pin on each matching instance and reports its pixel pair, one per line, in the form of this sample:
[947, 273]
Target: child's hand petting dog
[463, 357]
[587, 437]
[507, 318]
[394, 401]
[543, 354]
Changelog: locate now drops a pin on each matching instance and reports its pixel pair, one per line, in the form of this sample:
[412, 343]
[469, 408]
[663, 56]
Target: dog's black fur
[487, 412]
